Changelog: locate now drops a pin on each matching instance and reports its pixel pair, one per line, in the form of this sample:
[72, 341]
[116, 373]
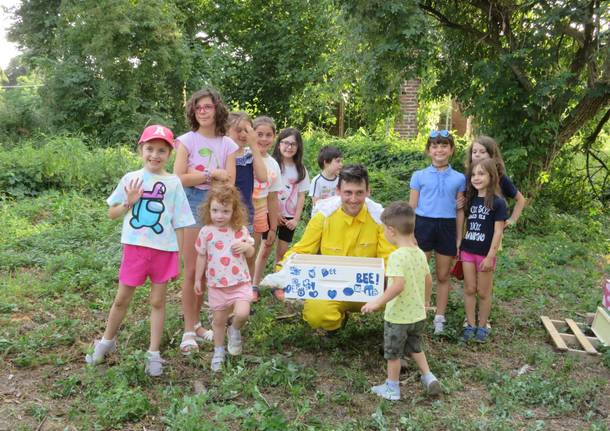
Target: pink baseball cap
[157, 131]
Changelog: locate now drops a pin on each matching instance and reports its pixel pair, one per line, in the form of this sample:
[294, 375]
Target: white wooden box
[340, 278]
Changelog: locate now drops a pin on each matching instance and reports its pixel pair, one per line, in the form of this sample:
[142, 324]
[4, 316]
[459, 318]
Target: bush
[63, 163]
[390, 160]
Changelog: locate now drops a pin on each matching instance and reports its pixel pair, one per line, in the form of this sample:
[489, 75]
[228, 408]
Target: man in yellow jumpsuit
[344, 225]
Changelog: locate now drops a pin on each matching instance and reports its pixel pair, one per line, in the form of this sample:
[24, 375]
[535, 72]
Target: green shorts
[401, 339]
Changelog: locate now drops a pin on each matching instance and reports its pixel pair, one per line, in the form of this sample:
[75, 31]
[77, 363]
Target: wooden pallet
[568, 337]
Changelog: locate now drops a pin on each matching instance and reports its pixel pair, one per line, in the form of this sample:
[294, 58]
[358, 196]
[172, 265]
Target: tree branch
[488, 38]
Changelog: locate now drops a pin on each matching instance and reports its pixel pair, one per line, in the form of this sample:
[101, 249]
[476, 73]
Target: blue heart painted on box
[332, 294]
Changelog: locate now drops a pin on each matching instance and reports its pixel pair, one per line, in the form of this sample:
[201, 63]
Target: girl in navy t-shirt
[486, 213]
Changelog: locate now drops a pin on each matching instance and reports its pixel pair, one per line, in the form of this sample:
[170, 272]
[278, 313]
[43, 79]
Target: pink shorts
[140, 262]
[475, 258]
[222, 298]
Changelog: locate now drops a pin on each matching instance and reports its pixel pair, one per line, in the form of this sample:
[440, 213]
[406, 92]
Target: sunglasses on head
[441, 133]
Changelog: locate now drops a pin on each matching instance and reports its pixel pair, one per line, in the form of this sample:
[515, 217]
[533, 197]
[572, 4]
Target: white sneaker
[100, 349]
[385, 391]
[439, 324]
[234, 345]
[217, 360]
[432, 386]
[154, 365]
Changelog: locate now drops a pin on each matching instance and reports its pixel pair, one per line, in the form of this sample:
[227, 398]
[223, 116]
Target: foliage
[64, 163]
[110, 67]
[532, 73]
[21, 109]
[59, 255]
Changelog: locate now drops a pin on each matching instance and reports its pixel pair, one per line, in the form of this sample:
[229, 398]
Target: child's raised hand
[252, 138]
[134, 191]
[370, 307]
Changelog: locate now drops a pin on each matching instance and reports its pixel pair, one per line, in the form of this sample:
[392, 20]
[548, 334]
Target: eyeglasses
[205, 108]
[437, 133]
[289, 144]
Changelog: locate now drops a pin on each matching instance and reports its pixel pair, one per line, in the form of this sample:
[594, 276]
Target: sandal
[188, 345]
[208, 335]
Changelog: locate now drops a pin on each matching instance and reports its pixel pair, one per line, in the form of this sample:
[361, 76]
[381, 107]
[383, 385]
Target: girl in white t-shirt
[265, 199]
[288, 152]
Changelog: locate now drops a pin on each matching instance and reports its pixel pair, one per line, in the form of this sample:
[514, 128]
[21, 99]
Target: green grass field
[59, 258]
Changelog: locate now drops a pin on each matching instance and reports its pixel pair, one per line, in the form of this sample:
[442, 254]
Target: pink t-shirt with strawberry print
[224, 268]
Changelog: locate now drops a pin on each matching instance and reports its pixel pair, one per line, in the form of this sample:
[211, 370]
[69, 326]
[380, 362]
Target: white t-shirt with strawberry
[224, 268]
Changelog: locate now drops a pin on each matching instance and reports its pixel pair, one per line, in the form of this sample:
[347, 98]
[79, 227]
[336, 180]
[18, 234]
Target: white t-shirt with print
[322, 188]
[289, 195]
[274, 179]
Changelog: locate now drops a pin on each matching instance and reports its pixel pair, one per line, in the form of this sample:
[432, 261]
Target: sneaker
[482, 334]
[217, 360]
[100, 349]
[234, 345]
[469, 332]
[154, 364]
[432, 387]
[386, 391]
[439, 324]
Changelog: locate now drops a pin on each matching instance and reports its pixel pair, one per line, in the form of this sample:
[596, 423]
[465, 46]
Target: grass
[59, 258]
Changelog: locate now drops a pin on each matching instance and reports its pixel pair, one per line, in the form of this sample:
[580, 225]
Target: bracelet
[127, 205]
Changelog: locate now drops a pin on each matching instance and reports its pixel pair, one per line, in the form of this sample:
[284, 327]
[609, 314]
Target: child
[486, 213]
[154, 208]
[438, 227]
[265, 198]
[203, 154]
[221, 246]
[249, 164]
[408, 291]
[288, 153]
[485, 147]
[324, 185]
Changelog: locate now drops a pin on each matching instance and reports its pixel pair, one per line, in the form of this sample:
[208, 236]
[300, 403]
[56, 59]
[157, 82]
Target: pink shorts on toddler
[476, 259]
[221, 298]
[139, 262]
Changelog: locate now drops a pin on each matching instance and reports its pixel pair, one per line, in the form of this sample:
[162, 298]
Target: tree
[532, 72]
[110, 66]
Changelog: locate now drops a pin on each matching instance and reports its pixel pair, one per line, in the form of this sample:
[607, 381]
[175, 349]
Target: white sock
[439, 318]
[108, 342]
[219, 349]
[156, 354]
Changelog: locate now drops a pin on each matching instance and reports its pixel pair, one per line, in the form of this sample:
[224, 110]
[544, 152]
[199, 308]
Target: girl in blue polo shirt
[438, 224]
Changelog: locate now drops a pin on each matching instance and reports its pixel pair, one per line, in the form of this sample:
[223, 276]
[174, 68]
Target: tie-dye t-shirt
[161, 209]
[224, 268]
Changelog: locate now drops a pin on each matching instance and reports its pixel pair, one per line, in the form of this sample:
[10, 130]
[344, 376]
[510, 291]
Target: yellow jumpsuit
[339, 235]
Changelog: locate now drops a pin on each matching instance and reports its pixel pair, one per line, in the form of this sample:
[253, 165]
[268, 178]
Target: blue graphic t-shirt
[162, 208]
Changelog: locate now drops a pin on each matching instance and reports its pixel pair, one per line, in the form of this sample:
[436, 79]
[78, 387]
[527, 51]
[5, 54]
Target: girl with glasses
[204, 154]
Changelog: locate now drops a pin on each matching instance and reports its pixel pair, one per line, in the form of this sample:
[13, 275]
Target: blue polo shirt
[437, 191]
